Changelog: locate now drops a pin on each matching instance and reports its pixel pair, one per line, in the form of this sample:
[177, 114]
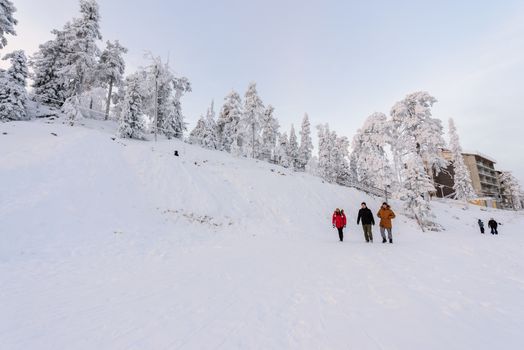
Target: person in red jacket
[339, 221]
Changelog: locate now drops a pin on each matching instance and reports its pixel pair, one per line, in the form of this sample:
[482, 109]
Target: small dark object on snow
[54, 134]
[4, 133]
[176, 153]
[113, 138]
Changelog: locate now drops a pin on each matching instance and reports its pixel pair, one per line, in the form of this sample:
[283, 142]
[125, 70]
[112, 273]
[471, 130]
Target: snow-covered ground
[118, 244]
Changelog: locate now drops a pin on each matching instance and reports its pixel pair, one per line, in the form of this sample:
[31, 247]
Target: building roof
[481, 155]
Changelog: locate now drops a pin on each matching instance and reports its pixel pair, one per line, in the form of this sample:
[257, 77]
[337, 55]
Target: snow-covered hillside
[118, 244]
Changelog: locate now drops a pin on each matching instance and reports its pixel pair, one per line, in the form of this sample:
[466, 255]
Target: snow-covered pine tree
[306, 144]
[131, 121]
[270, 128]
[49, 86]
[413, 127]
[13, 93]
[462, 184]
[251, 121]
[292, 148]
[111, 68]
[82, 52]
[281, 151]
[158, 77]
[369, 160]
[228, 121]
[510, 189]
[414, 190]
[7, 21]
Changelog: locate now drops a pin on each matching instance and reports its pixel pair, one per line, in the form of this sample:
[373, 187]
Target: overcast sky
[339, 61]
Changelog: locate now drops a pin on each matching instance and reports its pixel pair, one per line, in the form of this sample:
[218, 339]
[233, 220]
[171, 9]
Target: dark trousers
[340, 233]
[482, 230]
[494, 231]
[368, 235]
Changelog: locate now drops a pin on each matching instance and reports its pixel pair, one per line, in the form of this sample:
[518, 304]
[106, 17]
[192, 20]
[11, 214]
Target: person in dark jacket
[492, 224]
[366, 216]
[481, 225]
[339, 221]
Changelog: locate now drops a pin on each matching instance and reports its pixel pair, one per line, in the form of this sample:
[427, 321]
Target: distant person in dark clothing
[492, 224]
[339, 221]
[366, 216]
[481, 225]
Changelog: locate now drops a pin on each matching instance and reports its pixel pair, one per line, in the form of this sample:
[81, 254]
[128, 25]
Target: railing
[374, 191]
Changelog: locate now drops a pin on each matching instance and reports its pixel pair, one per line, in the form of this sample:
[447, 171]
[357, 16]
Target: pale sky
[339, 61]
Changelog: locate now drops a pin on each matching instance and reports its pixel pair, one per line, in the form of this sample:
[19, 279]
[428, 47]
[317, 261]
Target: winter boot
[391, 240]
[384, 240]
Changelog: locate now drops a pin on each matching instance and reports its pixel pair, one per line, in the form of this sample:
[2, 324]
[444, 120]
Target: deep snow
[117, 244]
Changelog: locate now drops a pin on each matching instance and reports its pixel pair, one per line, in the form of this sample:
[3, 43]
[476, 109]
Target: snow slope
[117, 244]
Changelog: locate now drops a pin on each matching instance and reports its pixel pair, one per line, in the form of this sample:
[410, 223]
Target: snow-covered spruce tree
[82, 52]
[251, 122]
[49, 85]
[228, 121]
[462, 179]
[510, 188]
[270, 128]
[209, 136]
[197, 134]
[72, 109]
[159, 79]
[292, 148]
[111, 69]
[415, 187]
[281, 151]
[131, 121]
[413, 127]
[340, 159]
[312, 166]
[174, 124]
[369, 160]
[306, 144]
[333, 156]
[7, 21]
[324, 152]
[13, 94]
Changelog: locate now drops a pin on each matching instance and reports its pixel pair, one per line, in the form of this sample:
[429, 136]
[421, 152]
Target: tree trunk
[108, 103]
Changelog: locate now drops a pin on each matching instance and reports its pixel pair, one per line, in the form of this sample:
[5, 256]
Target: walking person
[492, 224]
[339, 221]
[366, 216]
[481, 225]
[386, 215]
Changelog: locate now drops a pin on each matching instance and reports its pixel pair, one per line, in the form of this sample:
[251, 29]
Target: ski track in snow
[127, 247]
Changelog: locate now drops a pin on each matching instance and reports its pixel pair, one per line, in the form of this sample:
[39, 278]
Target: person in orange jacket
[339, 221]
[386, 215]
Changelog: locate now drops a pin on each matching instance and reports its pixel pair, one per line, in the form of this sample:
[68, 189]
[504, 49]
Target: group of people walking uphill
[385, 214]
